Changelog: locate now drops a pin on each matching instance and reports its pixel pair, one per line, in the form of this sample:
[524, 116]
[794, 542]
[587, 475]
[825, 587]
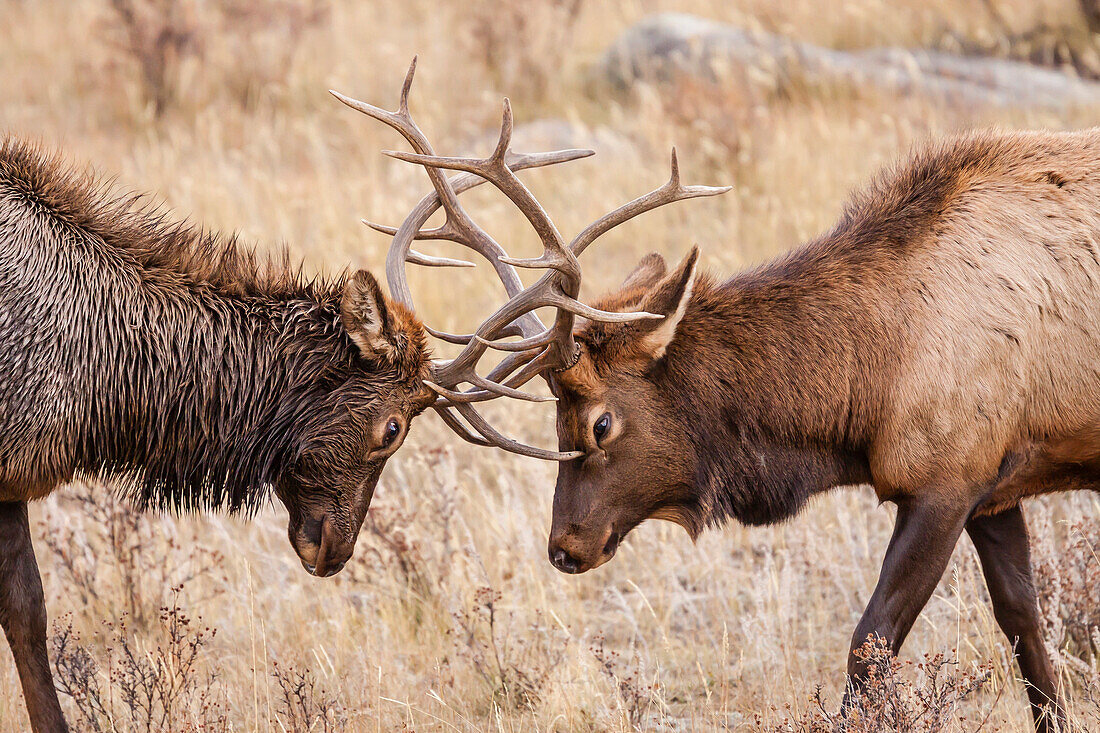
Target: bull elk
[939, 344]
[188, 369]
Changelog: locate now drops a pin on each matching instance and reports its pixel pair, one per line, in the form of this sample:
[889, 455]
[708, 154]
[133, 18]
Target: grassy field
[450, 618]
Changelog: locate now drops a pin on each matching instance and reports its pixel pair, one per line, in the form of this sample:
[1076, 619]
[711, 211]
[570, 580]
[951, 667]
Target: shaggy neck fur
[151, 351]
[782, 402]
[791, 359]
[206, 410]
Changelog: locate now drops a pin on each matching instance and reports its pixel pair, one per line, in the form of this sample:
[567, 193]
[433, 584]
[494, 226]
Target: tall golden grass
[450, 618]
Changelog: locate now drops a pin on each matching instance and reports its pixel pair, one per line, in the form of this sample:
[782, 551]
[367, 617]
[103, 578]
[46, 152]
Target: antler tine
[463, 339]
[450, 338]
[670, 192]
[498, 440]
[538, 348]
[419, 258]
[441, 232]
[496, 170]
[460, 428]
[484, 385]
[541, 339]
[459, 226]
[578, 308]
[479, 424]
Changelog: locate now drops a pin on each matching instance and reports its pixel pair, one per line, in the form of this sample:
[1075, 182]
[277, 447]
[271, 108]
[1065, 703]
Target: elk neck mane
[790, 363]
[201, 410]
[142, 227]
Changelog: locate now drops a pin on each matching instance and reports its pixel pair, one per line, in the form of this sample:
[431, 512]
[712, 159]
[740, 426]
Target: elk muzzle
[322, 549]
[579, 549]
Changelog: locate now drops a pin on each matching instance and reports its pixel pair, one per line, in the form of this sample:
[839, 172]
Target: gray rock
[664, 46]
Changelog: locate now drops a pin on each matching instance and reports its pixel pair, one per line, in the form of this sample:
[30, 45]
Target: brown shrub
[1067, 575]
[305, 707]
[166, 684]
[637, 693]
[513, 660]
[898, 696]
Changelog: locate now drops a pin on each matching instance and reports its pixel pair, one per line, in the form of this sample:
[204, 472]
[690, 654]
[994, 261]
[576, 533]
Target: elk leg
[1003, 547]
[924, 536]
[23, 616]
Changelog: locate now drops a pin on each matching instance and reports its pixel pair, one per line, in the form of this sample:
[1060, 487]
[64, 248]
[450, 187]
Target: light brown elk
[941, 344]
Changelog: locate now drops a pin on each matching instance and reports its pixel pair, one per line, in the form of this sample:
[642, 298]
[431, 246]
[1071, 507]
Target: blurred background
[449, 618]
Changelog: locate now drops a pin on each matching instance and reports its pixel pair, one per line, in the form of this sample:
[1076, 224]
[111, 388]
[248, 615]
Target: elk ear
[647, 274]
[670, 299]
[366, 316]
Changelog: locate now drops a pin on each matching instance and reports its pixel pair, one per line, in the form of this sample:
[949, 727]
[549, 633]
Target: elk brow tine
[526, 344]
[440, 232]
[503, 442]
[451, 338]
[419, 258]
[505, 391]
[455, 397]
[458, 427]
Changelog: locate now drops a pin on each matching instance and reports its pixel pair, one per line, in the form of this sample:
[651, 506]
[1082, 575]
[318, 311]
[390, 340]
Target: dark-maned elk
[186, 367]
[940, 344]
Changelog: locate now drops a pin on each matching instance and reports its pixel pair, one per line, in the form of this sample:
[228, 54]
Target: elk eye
[602, 426]
[393, 429]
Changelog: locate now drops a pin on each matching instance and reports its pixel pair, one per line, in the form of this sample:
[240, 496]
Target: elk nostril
[563, 561]
[333, 569]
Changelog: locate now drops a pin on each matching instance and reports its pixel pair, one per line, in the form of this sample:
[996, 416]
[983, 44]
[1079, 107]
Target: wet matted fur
[189, 369]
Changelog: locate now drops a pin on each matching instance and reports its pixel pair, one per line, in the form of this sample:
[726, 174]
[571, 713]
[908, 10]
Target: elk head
[607, 428]
[614, 408]
[349, 421]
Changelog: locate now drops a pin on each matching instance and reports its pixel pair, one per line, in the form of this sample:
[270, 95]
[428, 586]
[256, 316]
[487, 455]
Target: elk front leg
[924, 536]
[1002, 544]
[23, 616]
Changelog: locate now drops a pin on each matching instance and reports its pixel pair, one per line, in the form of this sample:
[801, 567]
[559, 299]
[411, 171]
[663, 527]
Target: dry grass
[450, 618]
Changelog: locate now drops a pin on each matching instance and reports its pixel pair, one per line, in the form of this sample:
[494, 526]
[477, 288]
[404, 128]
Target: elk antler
[540, 349]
